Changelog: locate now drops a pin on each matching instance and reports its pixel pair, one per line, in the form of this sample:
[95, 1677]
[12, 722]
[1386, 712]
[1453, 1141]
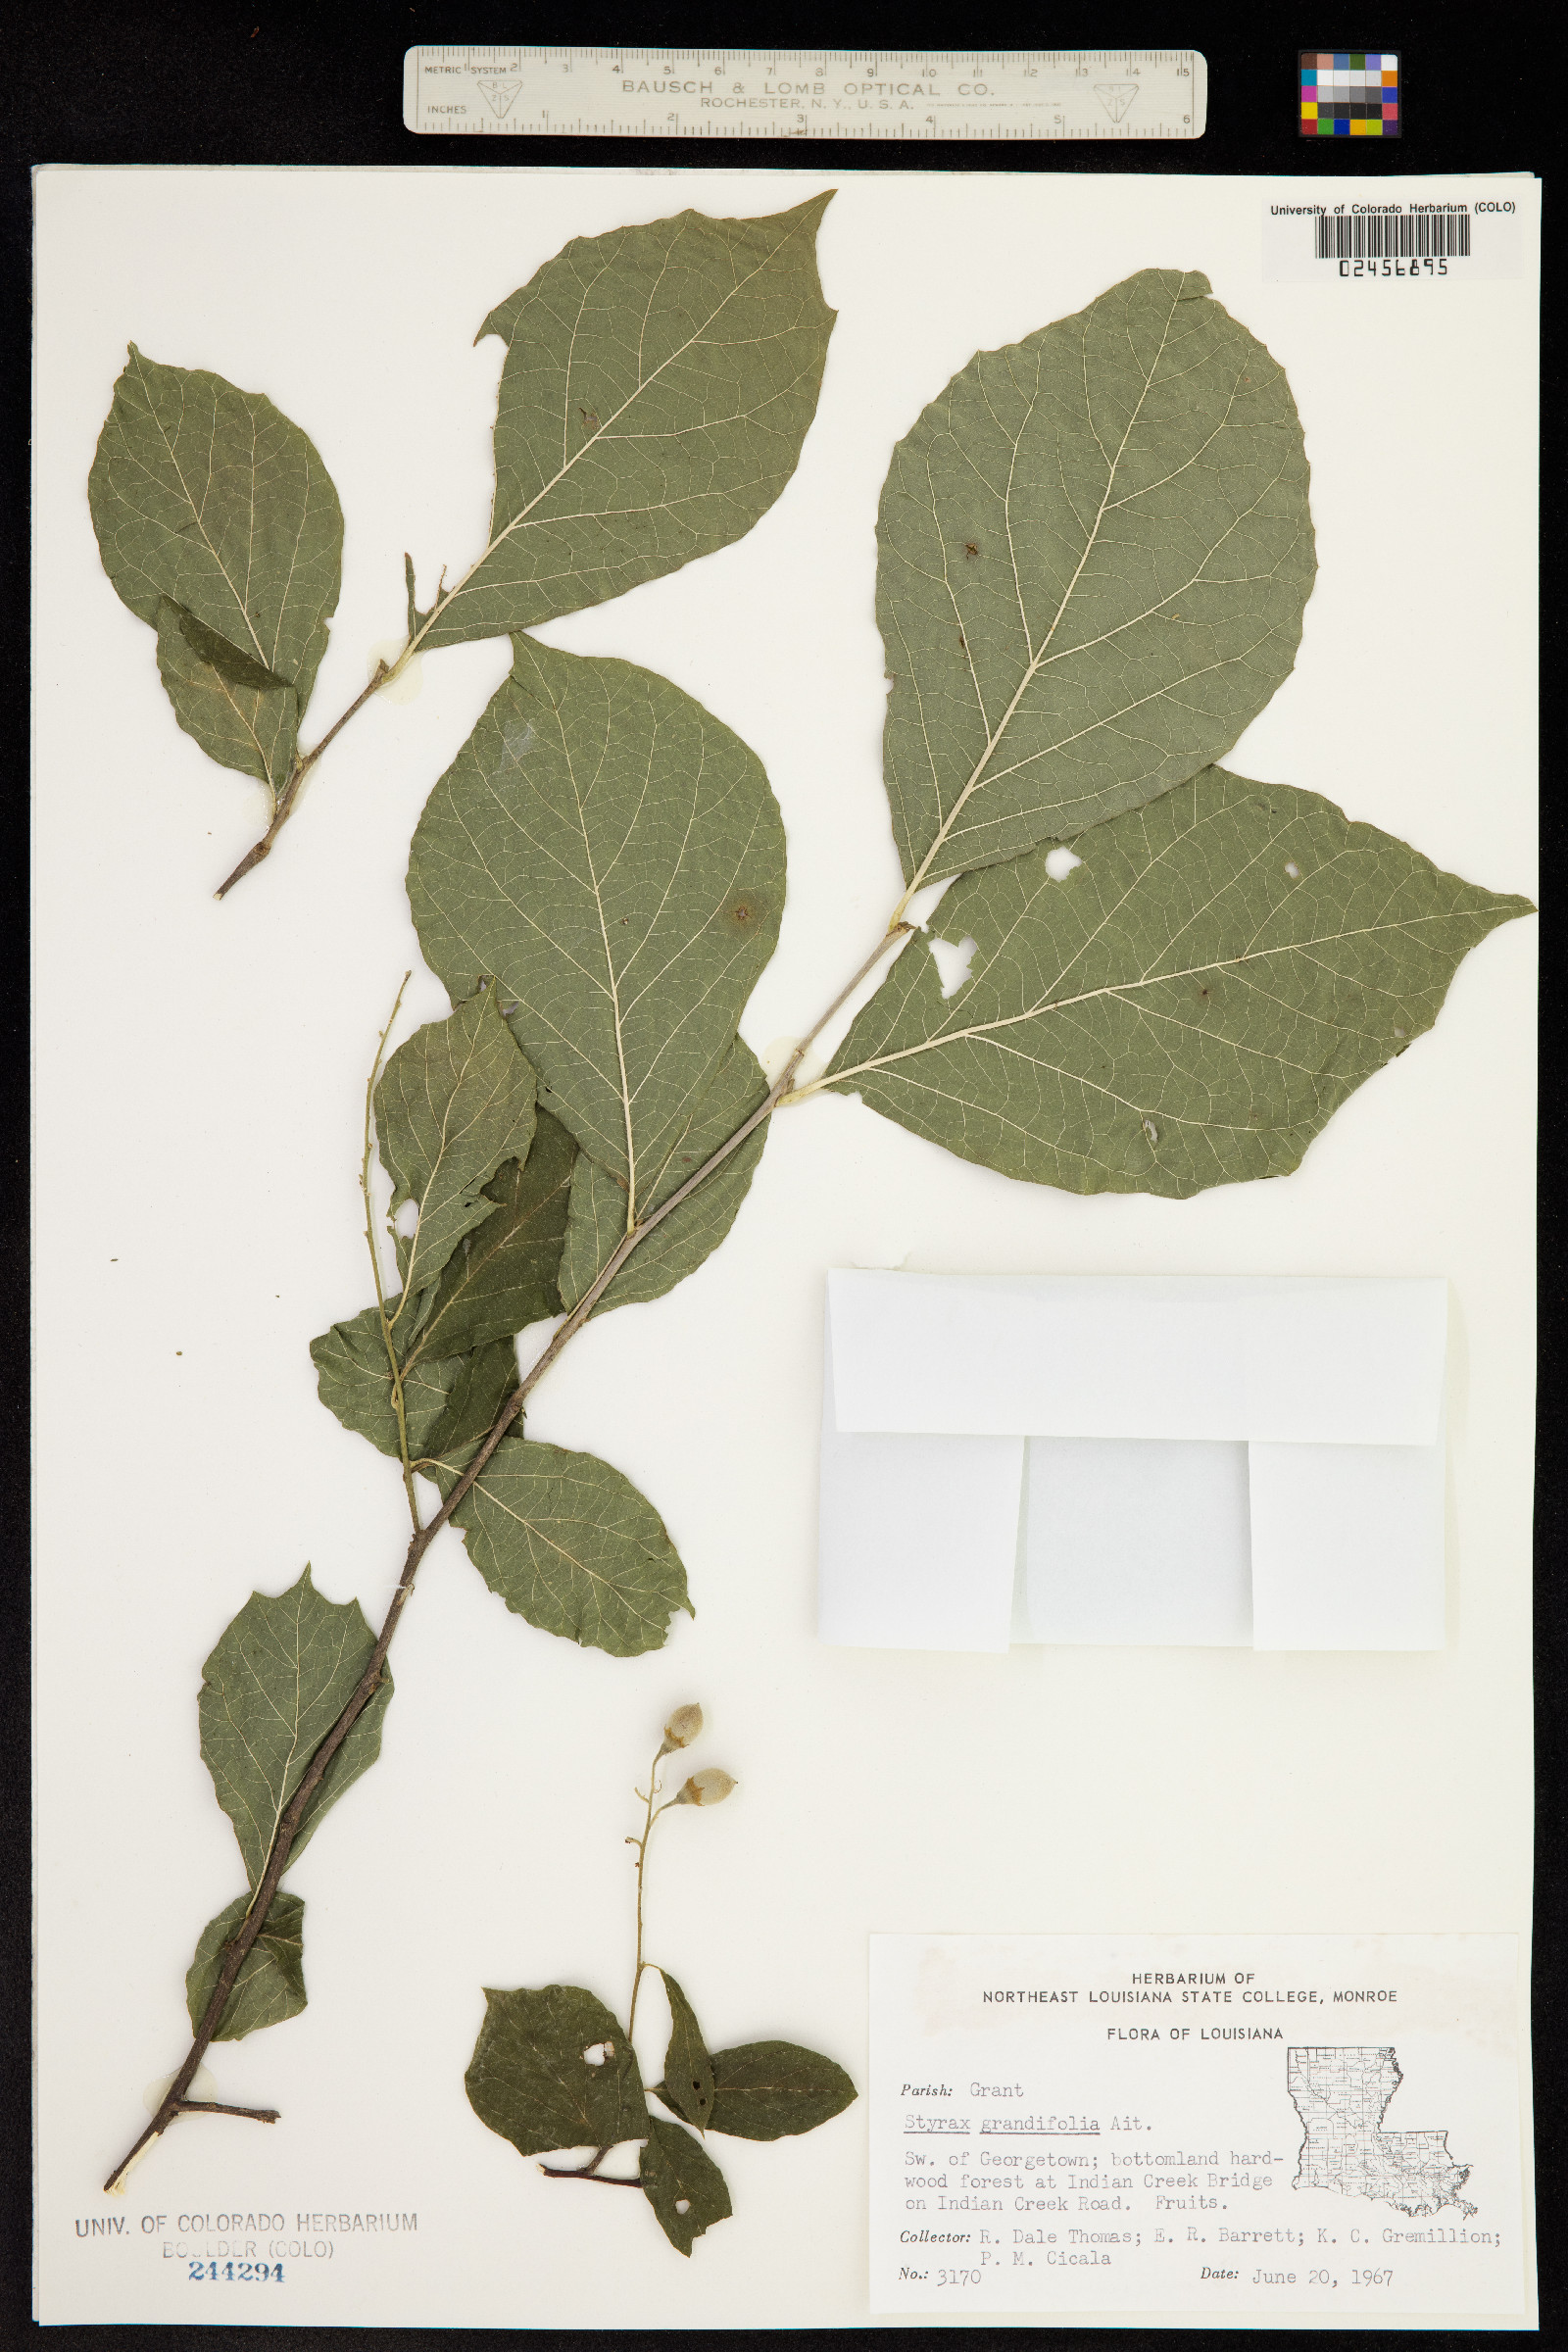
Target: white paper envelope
[1231, 1460]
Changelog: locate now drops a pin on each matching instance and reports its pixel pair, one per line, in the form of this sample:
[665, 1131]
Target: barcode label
[1393, 236]
[1321, 234]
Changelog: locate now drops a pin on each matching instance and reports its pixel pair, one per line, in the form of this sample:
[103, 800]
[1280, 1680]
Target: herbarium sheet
[1183, 642]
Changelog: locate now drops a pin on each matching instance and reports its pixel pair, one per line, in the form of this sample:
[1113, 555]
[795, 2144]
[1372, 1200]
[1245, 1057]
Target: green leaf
[690, 1233]
[484, 1380]
[211, 498]
[572, 1546]
[688, 2084]
[682, 2183]
[270, 1984]
[460, 1363]
[454, 1102]
[503, 1276]
[1187, 1007]
[278, 1680]
[658, 384]
[614, 857]
[1095, 548]
[774, 2089]
[240, 713]
[354, 1381]
[530, 2081]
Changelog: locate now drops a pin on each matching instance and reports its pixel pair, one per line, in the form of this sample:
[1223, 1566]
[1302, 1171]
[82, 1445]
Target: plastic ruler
[914, 94]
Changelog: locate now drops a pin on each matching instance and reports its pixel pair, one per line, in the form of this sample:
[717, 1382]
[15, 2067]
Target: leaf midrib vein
[1035, 659]
[463, 587]
[196, 511]
[984, 1032]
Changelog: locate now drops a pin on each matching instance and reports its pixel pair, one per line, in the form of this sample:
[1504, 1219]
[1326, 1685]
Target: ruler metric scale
[913, 94]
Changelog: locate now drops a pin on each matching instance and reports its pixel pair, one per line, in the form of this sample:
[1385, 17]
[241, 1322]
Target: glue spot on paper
[409, 683]
[776, 1053]
[1061, 861]
[202, 2087]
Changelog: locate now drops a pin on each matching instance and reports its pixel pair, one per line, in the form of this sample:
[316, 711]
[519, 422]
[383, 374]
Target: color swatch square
[1349, 93]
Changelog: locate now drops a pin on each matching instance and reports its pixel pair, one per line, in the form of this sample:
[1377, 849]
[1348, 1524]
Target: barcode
[1391, 236]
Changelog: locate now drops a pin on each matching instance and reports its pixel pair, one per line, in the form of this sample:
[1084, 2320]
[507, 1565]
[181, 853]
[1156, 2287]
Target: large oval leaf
[210, 500]
[615, 855]
[1187, 1007]
[659, 382]
[1095, 548]
[552, 2069]
[572, 1546]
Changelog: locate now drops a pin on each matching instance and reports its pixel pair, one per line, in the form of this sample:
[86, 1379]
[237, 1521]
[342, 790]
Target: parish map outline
[1341, 2093]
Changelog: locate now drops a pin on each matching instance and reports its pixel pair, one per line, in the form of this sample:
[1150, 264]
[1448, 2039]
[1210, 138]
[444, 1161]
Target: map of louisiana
[1342, 2095]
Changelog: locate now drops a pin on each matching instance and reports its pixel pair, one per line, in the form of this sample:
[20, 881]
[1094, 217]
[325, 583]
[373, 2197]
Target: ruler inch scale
[475, 91]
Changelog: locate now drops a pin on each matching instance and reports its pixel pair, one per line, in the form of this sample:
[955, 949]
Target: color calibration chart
[1350, 94]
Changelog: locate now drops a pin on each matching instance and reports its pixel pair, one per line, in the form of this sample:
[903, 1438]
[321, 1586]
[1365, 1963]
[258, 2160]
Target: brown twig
[235, 1952]
[254, 2115]
[577, 2171]
[303, 764]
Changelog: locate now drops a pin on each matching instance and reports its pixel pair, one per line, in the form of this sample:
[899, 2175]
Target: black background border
[253, 83]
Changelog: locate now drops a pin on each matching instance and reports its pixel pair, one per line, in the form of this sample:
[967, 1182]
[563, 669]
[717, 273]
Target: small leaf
[1187, 1007]
[278, 1680]
[241, 715]
[572, 1546]
[690, 1233]
[209, 496]
[774, 2089]
[454, 1102]
[484, 1381]
[682, 2183]
[503, 1276]
[658, 384]
[688, 2084]
[529, 2081]
[1094, 550]
[626, 920]
[270, 1984]
[414, 614]
[354, 1381]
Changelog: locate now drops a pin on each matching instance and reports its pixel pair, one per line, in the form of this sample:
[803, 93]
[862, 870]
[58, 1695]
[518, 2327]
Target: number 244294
[240, 2274]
